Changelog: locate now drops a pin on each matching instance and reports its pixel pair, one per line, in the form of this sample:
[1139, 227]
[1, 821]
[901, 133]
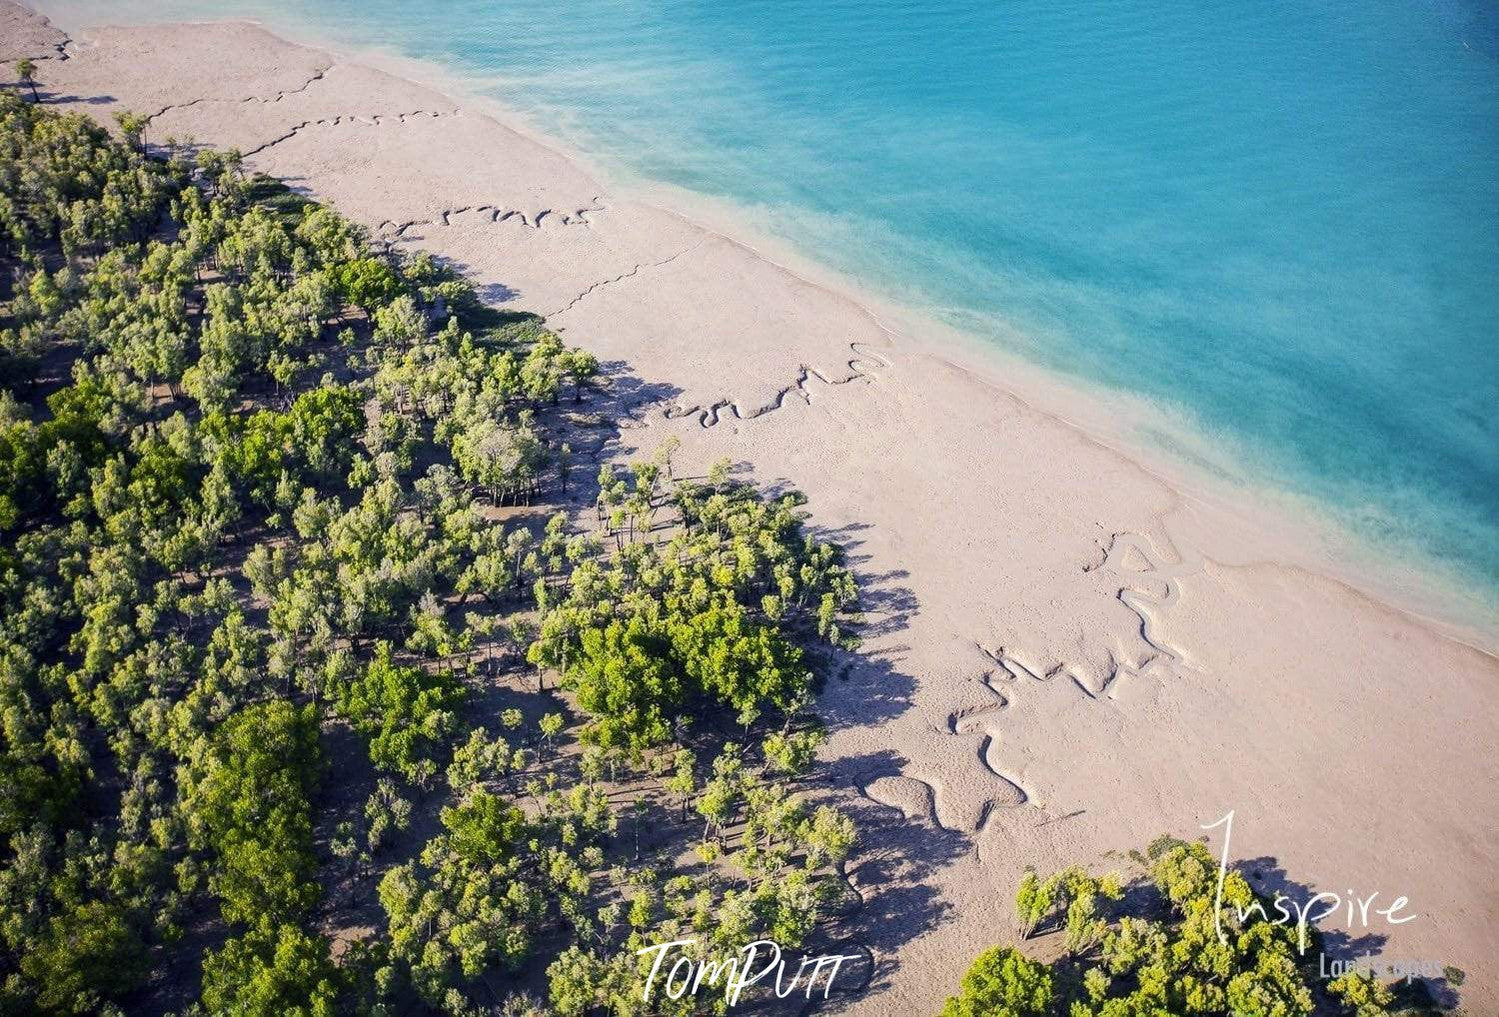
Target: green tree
[277, 971]
[26, 75]
[1002, 983]
[88, 953]
[469, 902]
[406, 712]
[1362, 995]
[133, 127]
[625, 680]
[367, 283]
[248, 801]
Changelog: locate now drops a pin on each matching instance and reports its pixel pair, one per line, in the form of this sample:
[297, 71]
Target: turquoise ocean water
[1280, 220]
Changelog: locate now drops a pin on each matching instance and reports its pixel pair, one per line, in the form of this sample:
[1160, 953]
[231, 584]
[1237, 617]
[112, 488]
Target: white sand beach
[1067, 653]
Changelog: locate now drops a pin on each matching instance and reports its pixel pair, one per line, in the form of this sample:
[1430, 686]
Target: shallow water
[1278, 220]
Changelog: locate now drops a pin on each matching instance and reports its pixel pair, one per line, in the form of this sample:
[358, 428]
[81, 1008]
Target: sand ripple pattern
[1133, 554]
[274, 97]
[374, 121]
[862, 367]
[492, 215]
[1150, 583]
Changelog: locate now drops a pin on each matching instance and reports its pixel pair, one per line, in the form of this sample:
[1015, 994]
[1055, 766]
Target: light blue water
[1281, 219]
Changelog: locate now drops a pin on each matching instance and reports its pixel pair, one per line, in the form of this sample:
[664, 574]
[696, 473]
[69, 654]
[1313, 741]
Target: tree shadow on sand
[1269, 877]
[893, 869]
[864, 687]
[50, 98]
[490, 294]
[595, 431]
[1325, 946]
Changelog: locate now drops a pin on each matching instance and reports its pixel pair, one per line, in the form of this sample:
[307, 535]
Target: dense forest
[333, 679]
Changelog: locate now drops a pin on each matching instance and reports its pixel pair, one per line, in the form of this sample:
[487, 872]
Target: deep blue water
[1280, 220]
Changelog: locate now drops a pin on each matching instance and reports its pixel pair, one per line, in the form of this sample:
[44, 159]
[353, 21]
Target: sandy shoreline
[1270, 525]
[1068, 654]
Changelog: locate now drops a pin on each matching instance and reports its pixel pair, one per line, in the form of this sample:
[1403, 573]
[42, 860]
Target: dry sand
[1067, 654]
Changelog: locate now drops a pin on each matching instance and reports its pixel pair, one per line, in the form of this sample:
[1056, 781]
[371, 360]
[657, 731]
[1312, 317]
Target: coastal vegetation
[343, 670]
[323, 686]
[1178, 945]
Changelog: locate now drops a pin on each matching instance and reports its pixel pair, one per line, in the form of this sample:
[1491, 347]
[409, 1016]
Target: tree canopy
[1163, 953]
